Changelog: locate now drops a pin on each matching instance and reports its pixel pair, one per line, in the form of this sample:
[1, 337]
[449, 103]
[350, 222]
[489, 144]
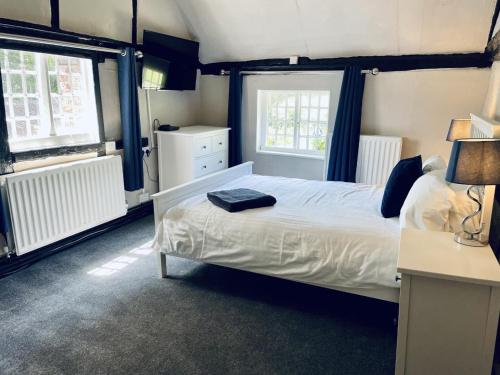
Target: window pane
[313, 114]
[56, 106]
[16, 83]
[35, 127]
[317, 144]
[29, 60]
[53, 85]
[21, 130]
[14, 60]
[323, 115]
[325, 101]
[31, 84]
[51, 63]
[18, 107]
[33, 107]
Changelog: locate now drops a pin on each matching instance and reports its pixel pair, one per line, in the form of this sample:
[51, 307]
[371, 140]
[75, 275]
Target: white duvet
[325, 233]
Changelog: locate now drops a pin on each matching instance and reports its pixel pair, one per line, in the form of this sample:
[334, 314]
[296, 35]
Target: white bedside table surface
[436, 254]
[196, 129]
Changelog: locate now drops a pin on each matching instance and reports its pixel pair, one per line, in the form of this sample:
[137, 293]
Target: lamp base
[467, 239]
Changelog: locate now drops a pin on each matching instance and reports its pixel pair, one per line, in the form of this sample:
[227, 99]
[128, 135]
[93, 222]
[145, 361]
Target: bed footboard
[166, 199]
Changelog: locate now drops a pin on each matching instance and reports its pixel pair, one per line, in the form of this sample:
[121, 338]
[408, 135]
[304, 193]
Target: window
[294, 122]
[49, 100]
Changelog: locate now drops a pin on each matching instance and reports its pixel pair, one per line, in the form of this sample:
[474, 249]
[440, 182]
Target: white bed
[328, 234]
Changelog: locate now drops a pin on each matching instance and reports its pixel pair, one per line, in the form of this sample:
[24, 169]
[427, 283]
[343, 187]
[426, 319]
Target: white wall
[109, 18]
[35, 11]
[281, 165]
[214, 92]
[418, 105]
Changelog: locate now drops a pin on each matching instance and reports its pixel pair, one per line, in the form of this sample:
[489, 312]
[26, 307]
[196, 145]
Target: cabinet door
[445, 327]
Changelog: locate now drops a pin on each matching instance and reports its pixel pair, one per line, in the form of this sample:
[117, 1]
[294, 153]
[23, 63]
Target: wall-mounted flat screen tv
[170, 63]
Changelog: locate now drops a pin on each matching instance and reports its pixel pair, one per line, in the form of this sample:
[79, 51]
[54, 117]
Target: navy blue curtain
[131, 123]
[345, 139]
[234, 117]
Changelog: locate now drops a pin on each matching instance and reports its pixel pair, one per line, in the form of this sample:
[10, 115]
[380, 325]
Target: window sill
[291, 154]
[19, 156]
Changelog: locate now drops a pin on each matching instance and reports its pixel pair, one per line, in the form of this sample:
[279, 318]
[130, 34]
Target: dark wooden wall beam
[383, 63]
[494, 47]
[134, 22]
[54, 14]
[494, 21]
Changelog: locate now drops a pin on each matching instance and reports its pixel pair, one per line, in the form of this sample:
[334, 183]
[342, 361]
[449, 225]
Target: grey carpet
[56, 318]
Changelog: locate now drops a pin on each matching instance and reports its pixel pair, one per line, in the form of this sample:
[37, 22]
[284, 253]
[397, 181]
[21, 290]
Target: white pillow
[433, 163]
[428, 203]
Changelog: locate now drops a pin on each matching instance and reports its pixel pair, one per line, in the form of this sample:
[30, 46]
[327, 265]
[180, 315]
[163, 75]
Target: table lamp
[459, 129]
[474, 162]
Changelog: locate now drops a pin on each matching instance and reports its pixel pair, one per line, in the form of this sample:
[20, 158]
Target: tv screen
[181, 55]
[154, 73]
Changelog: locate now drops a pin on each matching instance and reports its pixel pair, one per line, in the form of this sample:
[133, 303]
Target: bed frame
[164, 200]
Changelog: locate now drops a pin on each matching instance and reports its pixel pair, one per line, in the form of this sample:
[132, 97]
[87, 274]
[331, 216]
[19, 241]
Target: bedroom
[115, 260]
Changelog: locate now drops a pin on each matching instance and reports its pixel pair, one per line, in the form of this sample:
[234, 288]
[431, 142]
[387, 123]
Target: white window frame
[262, 112]
[88, 82]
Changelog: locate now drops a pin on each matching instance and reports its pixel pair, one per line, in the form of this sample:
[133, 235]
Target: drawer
[209, 164]
[202, 146]
[219, 142]
[220, 161]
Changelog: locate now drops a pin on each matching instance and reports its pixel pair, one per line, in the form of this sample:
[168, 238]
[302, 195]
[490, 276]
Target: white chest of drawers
[190, 152]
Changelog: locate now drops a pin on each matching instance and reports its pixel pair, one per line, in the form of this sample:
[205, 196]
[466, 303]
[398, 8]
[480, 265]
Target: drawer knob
[204, 167]
[220, 161]
[204, 147]
[397, 278]
[220, 143]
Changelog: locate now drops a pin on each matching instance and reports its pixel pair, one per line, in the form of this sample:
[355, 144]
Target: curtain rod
[57, 43]
[223, 72]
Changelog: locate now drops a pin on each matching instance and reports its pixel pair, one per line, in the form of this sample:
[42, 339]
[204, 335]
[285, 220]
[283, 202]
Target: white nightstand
[449, 305]
[190, 152]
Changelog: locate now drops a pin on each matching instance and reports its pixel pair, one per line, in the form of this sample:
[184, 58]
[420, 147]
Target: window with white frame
[293, 122]
[49, 100]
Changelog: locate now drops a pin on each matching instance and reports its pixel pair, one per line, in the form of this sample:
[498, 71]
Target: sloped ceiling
[236, 30]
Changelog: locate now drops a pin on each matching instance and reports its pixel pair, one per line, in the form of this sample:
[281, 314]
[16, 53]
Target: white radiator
[52, 203]
[377, 156]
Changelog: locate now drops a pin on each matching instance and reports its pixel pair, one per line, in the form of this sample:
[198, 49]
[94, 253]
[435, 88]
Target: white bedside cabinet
[190, 152]
[448, 307]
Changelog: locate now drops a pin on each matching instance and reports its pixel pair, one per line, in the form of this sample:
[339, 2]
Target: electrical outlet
[110, 147]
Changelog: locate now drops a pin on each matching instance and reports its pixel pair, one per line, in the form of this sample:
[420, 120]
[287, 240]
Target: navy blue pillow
[402, 178]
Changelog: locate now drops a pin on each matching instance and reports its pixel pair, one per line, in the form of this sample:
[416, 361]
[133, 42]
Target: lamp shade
[474, 162]
[459, 129]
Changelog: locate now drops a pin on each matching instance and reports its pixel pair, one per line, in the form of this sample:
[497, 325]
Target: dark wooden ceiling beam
[383, 63]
